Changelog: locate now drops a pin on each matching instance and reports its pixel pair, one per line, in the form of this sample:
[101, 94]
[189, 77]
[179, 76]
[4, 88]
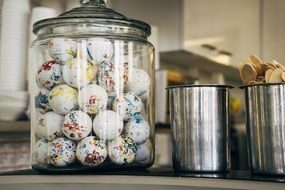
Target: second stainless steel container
[200, 127]
[265, 112]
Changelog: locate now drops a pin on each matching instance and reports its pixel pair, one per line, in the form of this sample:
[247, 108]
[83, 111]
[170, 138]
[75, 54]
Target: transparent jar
[93, 91]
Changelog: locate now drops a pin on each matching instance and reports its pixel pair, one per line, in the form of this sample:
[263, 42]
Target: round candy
[41, 151]
[91, 151]
[127, 105]
[122, 150]
[137, 129]
[77, 125]
[108, 125]
[49, 74]
[42, 104]
[112, 76]
[62, 152]
[63, 99]
[92, 99]
[78, 72]
[49, 126]
[99, 49]
[144, 154]
[138, 82]
[61, 50]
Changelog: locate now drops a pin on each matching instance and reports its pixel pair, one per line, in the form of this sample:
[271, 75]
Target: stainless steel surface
[265, 106]
[199, 123]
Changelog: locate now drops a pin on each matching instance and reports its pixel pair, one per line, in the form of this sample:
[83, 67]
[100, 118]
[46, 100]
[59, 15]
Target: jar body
[92, 103]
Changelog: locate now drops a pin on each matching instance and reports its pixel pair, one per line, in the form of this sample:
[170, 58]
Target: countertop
[145, 179]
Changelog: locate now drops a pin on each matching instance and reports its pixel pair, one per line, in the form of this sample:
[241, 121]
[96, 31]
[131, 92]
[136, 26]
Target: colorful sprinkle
[63, 99]
[122, 150]
[77, 125]
[62, 152]
[91, 151]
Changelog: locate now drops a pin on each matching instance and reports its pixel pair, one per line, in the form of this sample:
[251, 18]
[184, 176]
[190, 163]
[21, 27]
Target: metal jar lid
[93, 13]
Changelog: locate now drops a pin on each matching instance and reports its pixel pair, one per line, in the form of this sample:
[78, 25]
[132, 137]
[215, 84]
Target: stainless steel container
[265, 112]
[200, 127]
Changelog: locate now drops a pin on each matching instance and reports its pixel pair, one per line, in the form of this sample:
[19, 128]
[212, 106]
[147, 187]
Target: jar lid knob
[93, 3]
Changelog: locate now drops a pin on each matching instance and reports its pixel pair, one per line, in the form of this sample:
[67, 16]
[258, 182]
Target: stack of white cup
[13, 58]
[14, 43]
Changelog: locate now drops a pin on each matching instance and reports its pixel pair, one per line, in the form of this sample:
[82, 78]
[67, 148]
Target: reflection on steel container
[200, 127]
[265, 106]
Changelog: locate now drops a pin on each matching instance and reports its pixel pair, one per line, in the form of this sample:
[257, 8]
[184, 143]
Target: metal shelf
[185, 60]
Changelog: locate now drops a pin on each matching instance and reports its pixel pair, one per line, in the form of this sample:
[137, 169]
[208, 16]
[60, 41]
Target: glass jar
[93, 91]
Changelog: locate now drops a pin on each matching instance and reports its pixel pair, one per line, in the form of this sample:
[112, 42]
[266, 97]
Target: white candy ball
[49, 126]
[144, 154]
[50, 75]
[91, 151]
[63, 99]
[137, 129]
[127, 105]
[61, 50]
[122, 150]
[77, 125]
[62, 152]
[78, 72]
[92, 99]
[99, 50]
[138, 82]
[41, 151]
[108, 125]
[112, 76]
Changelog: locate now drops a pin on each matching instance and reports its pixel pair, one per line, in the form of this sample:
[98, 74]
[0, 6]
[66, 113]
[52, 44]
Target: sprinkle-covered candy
[144, 153]
[41, 151]
[77, 125]
[49, 126]
[62, 152]
[91, 151]
[108, 125]
[63, 99]
[78, 72]
[50, 74]
[112, 76]
[99, 49]
[137, 129]
[138, 82]
[92, 99]
[122, 150]
[61, 50]
[127, 105]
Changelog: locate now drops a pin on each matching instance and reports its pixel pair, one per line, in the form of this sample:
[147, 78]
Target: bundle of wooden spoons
[254, 71]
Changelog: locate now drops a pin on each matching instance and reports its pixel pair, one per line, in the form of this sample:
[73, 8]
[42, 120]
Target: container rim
[260, 84]
[199, 85]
